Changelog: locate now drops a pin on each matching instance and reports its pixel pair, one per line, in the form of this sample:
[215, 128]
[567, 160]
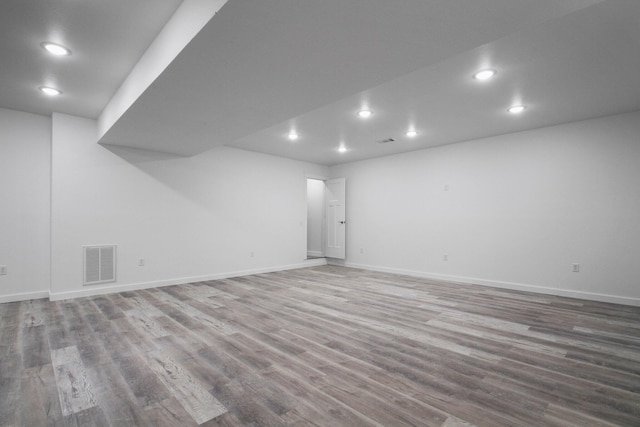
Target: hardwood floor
[326, 346]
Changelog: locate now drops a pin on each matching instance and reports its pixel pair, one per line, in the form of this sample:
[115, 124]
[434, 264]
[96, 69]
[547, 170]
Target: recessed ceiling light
[516, 109]
[293, 136]
[56, 49]
[51, 91]
[412, 133]
[342, 149]
[365, 114]
[485, 74]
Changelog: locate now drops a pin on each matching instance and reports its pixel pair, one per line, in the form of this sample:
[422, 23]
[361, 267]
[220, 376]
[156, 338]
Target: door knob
[342, 222]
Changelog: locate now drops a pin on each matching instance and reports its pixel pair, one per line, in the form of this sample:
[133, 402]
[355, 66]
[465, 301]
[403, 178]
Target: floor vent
[99, 264]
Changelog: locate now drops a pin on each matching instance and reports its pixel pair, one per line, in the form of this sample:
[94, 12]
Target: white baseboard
[102, 290]
[504, 285]
[92, 291]
[315, 254]
[314, 262]
[24, 297]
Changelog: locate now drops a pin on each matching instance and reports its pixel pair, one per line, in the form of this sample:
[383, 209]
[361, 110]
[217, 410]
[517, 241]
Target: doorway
[315, 218]
[326, 222]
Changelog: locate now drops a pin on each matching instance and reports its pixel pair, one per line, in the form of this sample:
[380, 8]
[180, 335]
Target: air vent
[386, 141]
[99, 264]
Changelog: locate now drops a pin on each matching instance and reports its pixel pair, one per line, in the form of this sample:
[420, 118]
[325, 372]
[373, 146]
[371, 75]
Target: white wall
[315, 217]
[513, 211]
[24, 204]
[519, 210]
[190, 218]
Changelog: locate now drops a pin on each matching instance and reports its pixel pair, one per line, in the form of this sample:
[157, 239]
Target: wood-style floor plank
[74, 387]
[191, 394]
[39, 402]
[320, 346]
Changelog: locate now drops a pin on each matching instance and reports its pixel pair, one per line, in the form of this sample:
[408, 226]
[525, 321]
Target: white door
[336, 224]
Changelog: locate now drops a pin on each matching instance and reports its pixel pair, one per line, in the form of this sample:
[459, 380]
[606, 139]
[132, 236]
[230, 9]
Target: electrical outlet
[141, 262]
[445, 257]
[3, 270]
[361, 250]
[575, 268]
[251, 254]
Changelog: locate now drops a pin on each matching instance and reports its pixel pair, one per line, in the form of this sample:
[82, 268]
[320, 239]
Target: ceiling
[259, 69]
[107, 38]
[582, 65]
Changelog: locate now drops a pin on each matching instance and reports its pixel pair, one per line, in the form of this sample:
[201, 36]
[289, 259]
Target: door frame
[322, 178]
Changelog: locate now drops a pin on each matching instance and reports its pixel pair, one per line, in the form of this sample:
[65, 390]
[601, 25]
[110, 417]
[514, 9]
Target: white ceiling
[579, 66]
[260, 68]
[106, 38]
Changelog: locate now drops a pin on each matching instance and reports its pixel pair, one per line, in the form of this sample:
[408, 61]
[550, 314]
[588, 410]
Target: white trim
[314, 262]
[497, 284]
[23, 297]
[101, 290]
[316, 176]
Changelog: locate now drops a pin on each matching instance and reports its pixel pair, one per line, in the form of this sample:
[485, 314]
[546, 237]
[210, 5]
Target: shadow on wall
[238, 186]
[195, 178]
